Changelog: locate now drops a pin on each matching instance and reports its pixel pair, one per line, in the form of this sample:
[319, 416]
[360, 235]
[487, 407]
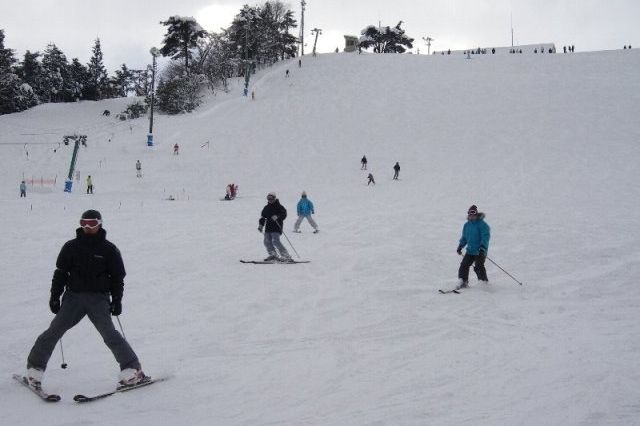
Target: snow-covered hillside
[546, 146]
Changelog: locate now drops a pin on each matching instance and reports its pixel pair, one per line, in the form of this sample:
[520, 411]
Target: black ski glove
[116, 307]
[260, 229]
[482, 252]
[459, 250]
[54, 304]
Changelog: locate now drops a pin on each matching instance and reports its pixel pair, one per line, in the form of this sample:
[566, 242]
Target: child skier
[305, 210]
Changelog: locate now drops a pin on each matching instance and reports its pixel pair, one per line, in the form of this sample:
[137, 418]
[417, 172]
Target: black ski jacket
[89, 263]
[267, 212]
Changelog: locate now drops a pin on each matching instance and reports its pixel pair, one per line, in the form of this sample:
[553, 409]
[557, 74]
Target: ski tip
[53, 398]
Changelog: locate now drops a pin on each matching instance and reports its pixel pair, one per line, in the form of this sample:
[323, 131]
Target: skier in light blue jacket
[475, 236]
[305, 210]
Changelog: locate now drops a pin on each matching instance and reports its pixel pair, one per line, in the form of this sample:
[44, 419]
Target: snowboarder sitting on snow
[475, 236]
[305, 210]
[231, 191]
[272, 220]
[89, 269]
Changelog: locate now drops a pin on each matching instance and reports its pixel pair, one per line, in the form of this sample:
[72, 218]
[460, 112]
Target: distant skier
[176, 149]
[475, 236]
[371, 179]
[305, 210]
[89, 185]
[286, 74]
[23, 189]
[299, 63]
[272, 221]
[363, 163]
[89, 276]
[138, 169]
[396, 171]
[253, 95]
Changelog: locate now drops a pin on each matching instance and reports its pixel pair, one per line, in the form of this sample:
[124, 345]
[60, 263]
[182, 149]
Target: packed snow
[545, 145]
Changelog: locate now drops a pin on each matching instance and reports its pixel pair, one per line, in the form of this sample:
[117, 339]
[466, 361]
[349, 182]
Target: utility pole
[511, 28]
[428, 40]
[317, 31]
[154, 53]
[303, 4]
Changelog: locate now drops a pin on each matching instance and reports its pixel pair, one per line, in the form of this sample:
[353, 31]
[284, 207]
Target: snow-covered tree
[122, 81]
[30, 71]
[385, 39]
[97, 83]
[178, 92]
[79, 76]
[55, 74]
[182, 35]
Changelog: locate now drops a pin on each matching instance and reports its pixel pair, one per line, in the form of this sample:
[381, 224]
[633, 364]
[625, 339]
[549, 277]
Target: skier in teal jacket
[475, 237]
[305, 210]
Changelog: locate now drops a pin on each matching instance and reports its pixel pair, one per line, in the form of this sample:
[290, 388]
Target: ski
[146, 382]
[267, 262]
[455, 290]
[48, 397]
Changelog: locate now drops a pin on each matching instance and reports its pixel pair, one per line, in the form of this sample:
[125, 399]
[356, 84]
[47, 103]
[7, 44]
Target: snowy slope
[547, 146]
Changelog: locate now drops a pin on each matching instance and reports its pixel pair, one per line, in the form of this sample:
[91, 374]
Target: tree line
[258, 36]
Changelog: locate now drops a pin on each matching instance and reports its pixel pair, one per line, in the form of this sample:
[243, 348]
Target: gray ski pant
[272, 242]
[73, 308]
[296, 226]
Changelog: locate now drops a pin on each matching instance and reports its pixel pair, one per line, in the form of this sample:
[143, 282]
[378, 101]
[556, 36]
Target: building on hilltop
[350, 43]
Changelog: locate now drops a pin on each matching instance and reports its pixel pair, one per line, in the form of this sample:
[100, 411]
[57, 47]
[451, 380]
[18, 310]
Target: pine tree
[122, 81]
[30, 71]
[182, 35]
[97, 83]
[386, 39]
[9, 81]
[55, 74]
[79, 76]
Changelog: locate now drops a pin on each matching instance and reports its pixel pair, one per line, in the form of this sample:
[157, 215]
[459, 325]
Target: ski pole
[120, 324]
[285, 235]
[64, 364]
[503, 270]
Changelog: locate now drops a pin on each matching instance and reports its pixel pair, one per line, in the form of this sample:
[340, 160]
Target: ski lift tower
[428, 40]
[317, 31]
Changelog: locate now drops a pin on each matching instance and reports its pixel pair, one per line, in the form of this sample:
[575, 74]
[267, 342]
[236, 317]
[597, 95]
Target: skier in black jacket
[272, 220]
[89, 269]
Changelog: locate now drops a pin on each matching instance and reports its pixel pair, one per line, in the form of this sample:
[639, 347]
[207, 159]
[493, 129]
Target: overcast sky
[129, 28]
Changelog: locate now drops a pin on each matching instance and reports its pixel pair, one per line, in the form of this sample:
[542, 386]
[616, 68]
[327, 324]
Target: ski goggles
[271, 198]
[90, 223]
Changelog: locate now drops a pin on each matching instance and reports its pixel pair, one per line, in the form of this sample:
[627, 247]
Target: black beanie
[91, 214]
[472, 210]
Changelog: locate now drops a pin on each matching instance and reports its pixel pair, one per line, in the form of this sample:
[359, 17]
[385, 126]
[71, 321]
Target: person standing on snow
[396, 170]
[176, 149]
[363, 163]
[138, 169]
[23, 189]
[89, 269]
[272, 220]
[475, 236]
[305, 210]
[89, 185]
